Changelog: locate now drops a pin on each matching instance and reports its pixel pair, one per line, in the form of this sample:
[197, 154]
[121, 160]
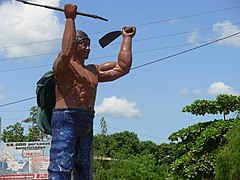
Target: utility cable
[152, 62]
[109, 127]
[144, 24]
[189, 16]
[15, 102]
[137, 40]
[110, 56]
[32, 67]
[183, 52]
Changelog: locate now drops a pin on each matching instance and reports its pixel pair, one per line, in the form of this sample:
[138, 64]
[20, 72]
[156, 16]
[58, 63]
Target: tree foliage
[130, 157]
[103, 125]
[224, 104]
[135, 167]
[228, 159]
[197, 147]
[15, 133]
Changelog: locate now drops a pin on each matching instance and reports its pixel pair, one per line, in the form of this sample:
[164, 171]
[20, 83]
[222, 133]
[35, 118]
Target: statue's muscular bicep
[108, 71]
[107, 66]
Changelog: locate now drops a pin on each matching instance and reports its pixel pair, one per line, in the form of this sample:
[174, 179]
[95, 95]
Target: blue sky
[149, 100]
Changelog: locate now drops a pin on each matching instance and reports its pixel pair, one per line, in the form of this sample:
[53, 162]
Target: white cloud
[22, 24]
[224, 29]
[194, 37]
[220, 30]
[196, 91]
[173, 21]
[2, 96]
[118, 108]
[186, 91]
[221, 88]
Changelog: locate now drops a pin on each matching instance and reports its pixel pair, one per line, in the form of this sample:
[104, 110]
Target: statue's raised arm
[110, 71]
[68, 40]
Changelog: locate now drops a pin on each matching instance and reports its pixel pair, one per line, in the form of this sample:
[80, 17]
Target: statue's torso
[76, 87]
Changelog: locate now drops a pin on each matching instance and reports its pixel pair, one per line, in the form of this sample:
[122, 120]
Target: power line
[142, 51]
[192, 15]
[6, 111]
[138, 133]
[183, 52]
[15, 102]
[152, 62]
[137, 40]
[144, 24]
[142, 134]
[136, 52]
[35, 55]
[186, 32]
[29, 56]
[37, 42]
[30, 43]
[32, 67]
[10, 119]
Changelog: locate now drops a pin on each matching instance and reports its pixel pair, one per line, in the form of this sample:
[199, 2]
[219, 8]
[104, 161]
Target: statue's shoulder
[93, 68]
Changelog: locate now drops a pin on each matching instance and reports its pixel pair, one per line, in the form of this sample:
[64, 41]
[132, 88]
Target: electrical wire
[189, 16]
[188, 50]
[7, 111]
[137, 40]
[144, 24]
[109, 127]
[155, 61]
[104, 57]
[32, 67]
[16, 102]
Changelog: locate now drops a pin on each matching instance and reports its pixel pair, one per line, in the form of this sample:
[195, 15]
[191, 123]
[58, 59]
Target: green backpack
[45, 101]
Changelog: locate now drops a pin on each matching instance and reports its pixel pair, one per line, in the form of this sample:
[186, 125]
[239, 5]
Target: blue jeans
[71, 148]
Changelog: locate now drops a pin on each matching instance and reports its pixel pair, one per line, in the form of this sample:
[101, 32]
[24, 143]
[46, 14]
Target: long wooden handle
[61, 9]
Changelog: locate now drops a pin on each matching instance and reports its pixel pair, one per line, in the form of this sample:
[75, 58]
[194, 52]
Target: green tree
[99, 149]
[13, 133]
[126, 143]
[228, 159]
[166, 154]
[197, 147]
[130, 158]
[34, 133]
[32, 118]
[199, 144]
[224, 104]
[140, 167]
[103, 125]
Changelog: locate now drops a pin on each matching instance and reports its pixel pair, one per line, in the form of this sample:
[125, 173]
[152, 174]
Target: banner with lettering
[24, 160]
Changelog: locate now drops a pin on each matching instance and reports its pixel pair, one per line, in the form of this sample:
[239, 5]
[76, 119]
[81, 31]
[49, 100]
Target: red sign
[23, 176]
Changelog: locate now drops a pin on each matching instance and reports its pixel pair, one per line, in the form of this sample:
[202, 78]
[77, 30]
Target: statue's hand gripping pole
[60, 9]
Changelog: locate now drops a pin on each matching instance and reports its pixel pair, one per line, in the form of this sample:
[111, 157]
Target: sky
[149, 100]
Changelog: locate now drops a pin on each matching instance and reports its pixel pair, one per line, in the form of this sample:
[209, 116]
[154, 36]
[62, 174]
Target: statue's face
[83, 48]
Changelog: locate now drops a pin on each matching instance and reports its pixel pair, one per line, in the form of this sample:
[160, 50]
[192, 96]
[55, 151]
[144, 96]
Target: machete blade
[108, 38]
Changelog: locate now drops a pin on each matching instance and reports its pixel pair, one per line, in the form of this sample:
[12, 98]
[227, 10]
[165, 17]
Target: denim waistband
[90, 110]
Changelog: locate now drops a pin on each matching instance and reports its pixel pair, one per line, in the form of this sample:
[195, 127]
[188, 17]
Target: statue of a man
[76, 86]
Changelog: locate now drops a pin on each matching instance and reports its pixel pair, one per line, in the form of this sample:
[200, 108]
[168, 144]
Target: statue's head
[80, 35]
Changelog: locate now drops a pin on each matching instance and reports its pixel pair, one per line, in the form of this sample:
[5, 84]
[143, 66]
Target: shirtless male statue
[76, 86]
